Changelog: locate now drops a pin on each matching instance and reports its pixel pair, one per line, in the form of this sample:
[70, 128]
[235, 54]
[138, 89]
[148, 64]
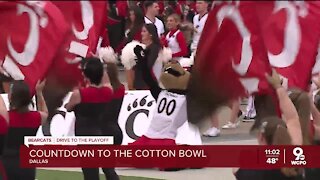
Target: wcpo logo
[300, 158]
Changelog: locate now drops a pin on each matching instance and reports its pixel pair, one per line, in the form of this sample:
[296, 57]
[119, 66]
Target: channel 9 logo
[300, 158]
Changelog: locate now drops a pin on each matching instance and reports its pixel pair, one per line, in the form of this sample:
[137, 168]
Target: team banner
[134, 120]
[31, 33]
[259, 157]
[136, 114]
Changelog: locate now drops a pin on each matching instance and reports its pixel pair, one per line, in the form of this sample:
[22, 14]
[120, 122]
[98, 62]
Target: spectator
[275, 131]
[134, 25]
[188, 10]
[151, 40]
[174, 38]
[199, 21]
[151, 11]
[22, 122]
[173, 7]
[314, 173]
[117, 11]
[186, 26]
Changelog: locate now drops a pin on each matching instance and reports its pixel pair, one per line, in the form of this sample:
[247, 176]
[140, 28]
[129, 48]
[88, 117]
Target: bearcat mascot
[171, 111]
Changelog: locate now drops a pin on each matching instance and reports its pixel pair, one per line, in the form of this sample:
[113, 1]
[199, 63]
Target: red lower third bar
[261, 157]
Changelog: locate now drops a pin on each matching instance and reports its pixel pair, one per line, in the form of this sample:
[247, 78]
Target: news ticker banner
[181, 156]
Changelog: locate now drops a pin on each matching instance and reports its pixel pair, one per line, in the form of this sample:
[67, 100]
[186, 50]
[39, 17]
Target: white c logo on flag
[32, 44]
[87, 20]
[292, 36]
[233, 14]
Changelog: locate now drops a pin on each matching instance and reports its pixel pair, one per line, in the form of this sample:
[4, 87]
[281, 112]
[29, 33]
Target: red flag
[30, 35]
[231, 52]
[87, 20]
[231, 60]
[291, 32]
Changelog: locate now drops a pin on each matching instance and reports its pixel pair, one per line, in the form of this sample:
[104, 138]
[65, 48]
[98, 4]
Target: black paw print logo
[136, 108]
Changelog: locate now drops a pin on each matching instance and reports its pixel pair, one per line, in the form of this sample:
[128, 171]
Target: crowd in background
[179, 26]
[178, 23]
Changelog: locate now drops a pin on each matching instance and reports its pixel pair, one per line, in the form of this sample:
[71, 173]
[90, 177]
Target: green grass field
[70, 175]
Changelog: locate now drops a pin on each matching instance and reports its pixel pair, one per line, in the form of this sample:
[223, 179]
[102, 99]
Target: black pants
[13, 170]
[93, 173]
[2, 138]
[114, 131]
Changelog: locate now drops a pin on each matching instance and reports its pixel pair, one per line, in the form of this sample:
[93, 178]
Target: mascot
[171, 111]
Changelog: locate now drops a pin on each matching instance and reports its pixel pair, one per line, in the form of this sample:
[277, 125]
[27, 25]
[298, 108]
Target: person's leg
[265, 107]
[27, 173]
[90, 173]
[13, 170]
[214, 130]
[250, 110]
[130, 78]
[233, 121]
[110, 174]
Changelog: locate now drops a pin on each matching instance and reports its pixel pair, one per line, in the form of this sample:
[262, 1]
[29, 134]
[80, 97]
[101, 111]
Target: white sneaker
[231, 125]
[248, 119]
[212, 132]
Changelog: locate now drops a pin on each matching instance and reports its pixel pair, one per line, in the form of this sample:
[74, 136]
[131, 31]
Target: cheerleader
[152, 42]
[110, 125]
[22, 122]
[133, 32]
[174, 39]
[89, 105]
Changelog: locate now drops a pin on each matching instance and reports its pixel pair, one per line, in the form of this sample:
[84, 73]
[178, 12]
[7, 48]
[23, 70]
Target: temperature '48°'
[273, 160]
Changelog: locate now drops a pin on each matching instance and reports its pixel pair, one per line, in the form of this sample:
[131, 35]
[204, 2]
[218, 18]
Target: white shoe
[212, 132]
[248, 119]
[231, 125]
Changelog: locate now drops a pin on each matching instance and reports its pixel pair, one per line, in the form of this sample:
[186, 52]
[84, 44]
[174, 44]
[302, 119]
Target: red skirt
[144, 140]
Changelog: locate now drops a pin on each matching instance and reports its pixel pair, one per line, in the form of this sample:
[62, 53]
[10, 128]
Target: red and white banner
[134, 120]
[88, 22]
[231, 55]
[30, 35]
[291, 32]
[259, 157]
[242, 40]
